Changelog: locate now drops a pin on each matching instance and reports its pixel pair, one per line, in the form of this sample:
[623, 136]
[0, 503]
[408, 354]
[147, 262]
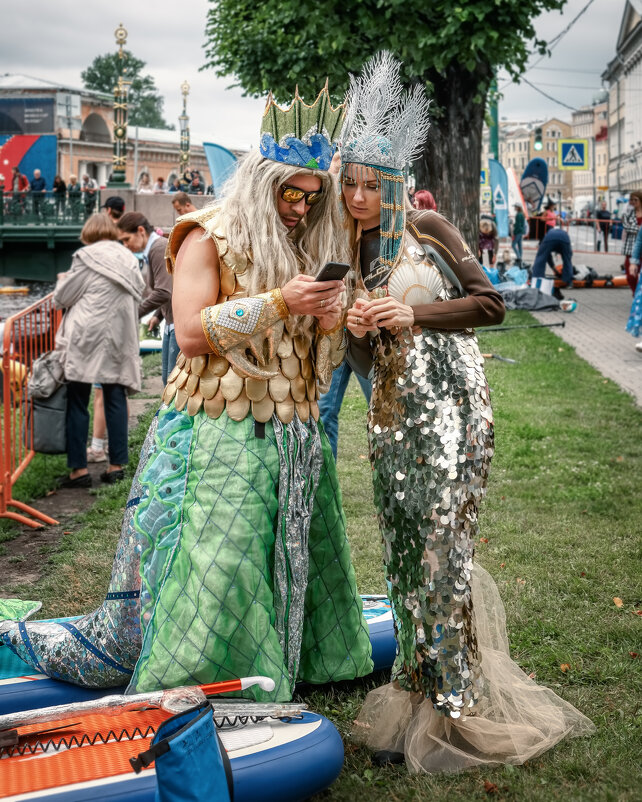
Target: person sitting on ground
[98, 340]
[424, 199]
[182, 203]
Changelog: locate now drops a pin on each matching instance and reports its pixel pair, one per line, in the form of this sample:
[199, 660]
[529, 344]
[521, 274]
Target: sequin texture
[431, 442]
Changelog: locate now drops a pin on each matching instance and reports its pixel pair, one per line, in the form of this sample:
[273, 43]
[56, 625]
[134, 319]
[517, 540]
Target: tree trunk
[450, 163]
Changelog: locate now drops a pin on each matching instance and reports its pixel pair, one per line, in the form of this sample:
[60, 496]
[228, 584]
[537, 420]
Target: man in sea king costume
[233, 558]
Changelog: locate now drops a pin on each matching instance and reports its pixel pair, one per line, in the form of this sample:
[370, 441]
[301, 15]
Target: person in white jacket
[98, 339]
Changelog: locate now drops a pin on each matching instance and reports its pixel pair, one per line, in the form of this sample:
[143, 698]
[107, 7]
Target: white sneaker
[96, 456]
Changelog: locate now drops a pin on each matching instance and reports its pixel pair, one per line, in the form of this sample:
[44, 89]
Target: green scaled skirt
[226, 592]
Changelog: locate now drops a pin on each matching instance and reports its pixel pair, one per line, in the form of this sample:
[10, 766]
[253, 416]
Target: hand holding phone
[333, 271]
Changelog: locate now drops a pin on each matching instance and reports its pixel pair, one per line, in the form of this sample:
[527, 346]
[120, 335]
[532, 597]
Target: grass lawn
[560, 532]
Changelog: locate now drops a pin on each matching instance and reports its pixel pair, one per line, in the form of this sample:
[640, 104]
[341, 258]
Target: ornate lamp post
[118, 177]
[184, 126]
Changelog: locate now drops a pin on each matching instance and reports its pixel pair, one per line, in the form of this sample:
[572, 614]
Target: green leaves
[145, 104]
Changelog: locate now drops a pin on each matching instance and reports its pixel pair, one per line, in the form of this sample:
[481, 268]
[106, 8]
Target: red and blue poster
[28, 152]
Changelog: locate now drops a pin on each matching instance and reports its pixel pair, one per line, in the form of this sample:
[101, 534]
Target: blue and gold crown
[301, 135]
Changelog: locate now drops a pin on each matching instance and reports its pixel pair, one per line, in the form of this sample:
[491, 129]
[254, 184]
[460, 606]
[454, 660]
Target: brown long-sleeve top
[481, 306]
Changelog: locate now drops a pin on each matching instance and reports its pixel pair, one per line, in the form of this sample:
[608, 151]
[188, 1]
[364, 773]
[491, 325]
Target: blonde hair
[250, 220]
[98, 227]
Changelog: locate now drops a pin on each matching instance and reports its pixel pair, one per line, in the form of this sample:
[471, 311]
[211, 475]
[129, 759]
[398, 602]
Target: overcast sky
[57, 40]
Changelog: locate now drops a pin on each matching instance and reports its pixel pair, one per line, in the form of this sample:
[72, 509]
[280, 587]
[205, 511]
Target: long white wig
[251, 223]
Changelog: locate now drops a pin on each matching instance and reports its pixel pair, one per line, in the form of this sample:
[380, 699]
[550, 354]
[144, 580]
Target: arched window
[95, 129]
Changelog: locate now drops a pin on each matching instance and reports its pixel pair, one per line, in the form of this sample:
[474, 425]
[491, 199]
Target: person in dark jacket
[604, 217]
[555, 241]
[38, 192]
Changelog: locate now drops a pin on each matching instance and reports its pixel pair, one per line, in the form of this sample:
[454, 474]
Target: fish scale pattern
[431, 438]
[210, 614]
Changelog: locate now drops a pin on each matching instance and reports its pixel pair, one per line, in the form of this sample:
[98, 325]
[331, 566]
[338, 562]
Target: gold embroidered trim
[282, 307]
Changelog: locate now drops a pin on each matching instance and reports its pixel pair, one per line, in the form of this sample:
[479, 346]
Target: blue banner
[499, 188]
[222, 164]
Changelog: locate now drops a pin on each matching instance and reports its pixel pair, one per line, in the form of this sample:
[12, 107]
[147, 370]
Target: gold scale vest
[283, 378]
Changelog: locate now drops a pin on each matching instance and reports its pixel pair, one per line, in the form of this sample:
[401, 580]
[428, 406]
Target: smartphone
[333, 271]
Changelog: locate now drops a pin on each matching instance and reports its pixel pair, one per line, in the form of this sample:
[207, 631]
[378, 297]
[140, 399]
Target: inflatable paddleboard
[599, 282]
[21, 688]
[272, 760]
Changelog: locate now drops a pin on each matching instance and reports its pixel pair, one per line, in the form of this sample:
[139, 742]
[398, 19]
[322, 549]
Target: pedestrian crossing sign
[483, 177]
[572, 154]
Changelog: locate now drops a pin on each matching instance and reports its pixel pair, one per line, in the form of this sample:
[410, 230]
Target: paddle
[174, 700]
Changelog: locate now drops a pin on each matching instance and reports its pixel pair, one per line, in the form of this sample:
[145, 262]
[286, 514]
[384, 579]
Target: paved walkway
[596, 328]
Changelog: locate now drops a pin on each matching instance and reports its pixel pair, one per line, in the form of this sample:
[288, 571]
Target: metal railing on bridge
[48, 208]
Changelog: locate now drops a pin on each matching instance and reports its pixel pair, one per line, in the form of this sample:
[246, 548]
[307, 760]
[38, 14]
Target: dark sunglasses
[294, 195]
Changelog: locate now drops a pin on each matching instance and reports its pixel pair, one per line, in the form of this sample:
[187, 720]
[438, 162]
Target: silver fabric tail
[100, 649]
[301, 459]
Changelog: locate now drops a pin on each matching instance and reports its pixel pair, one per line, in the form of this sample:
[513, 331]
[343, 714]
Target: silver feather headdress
[384, 125]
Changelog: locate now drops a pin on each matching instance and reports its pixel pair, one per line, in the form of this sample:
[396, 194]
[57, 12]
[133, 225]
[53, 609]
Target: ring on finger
[358, 321]
[323, 303]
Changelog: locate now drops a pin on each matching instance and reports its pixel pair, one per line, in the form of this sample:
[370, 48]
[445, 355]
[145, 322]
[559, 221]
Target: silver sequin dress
[456, 699]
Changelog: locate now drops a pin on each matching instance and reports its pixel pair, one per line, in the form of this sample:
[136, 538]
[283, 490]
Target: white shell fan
[415, 284]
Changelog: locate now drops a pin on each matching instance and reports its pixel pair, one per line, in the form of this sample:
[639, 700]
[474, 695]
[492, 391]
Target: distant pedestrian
[160, 187]
[555, 241]
[488, 240]
[423, 199]
[196, 187]
[74, 196]
[19, 182]
[603, 216]
[59, 192]
[137, 234]
[185, 181]
[114, 206]
[631, 222]
[19, 189]
[519, 229]
[98, 338]
[38, 192]
[145, 186]
[175, 186]
[182, 203]
[634, 324]
[550, 216]
[90, 189]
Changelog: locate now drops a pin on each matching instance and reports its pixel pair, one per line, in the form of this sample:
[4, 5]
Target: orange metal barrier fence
[27, 334]
[587, 234]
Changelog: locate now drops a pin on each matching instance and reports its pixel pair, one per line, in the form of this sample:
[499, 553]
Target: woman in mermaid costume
[233, 558]
[456, 699]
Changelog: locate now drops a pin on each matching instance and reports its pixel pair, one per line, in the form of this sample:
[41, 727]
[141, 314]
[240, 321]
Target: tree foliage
[453, 47]
[144, 102]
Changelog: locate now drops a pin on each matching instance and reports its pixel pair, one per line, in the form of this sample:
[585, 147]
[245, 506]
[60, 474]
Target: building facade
[591, 186]
[82, 122]
[623, 76]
